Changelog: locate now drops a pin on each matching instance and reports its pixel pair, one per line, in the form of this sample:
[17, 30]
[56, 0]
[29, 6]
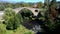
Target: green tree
[50, 22]
[17, 5]
[2, 7]
[9, 15]
[26, 5]
[26, 13]
[54, 3]
[10, 18]
[47, 3]
[18, 20]
[40, 5]
[8, 5]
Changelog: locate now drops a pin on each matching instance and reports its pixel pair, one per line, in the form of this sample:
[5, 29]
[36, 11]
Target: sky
[23, 0]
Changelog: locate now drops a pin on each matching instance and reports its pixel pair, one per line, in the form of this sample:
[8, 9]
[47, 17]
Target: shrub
[26, 13]
[2, 7]
[18, 20]
[11, 19]
[23, 30]
[2, 29]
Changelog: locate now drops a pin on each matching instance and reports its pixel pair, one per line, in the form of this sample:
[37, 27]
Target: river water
[34, 25]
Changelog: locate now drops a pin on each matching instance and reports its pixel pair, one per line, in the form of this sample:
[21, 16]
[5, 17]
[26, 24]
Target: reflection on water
[36, 28]
[34, 25]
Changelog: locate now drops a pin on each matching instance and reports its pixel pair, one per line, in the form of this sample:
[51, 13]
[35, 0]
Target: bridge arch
[26, 12]
[26, 9]
[33, 10]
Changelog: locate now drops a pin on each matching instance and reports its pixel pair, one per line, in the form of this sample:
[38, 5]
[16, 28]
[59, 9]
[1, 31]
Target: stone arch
[25, 8]
[19, 9]
[26, 12]
[33, 10]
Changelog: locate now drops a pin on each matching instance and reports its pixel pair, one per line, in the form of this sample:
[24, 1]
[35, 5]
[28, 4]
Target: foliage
[52, 22]
[17, 5]
[26, 5]
[8, 5]
[2, 28]
[23, 30]
[54, 3]
[40, 5]
[2, 7]
[9, 18]
[20, 30]
[26, 13]
[47, 3]
[18, 19]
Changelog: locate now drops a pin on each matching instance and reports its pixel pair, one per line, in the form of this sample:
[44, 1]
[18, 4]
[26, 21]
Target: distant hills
[1, 1]
[15, 2]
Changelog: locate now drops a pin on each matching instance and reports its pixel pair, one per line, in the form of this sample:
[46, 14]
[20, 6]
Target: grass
[19, 30]
[2, 29]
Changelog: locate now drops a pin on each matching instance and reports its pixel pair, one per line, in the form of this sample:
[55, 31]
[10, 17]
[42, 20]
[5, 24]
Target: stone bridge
[33, 10]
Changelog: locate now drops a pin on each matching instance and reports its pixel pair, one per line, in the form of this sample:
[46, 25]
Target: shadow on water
[34, 25]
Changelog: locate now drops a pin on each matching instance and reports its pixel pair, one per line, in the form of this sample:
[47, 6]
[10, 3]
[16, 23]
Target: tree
[26, 5]
[8, 5]
[17, 5]
[26, 13]
[11, 19]
[18, 20]
[40, 4]
[52, 21]
[47, 3]
[9, 15]
[2, 7]
[54, 3]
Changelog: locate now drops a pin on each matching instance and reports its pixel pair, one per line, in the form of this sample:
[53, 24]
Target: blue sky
[24, 0]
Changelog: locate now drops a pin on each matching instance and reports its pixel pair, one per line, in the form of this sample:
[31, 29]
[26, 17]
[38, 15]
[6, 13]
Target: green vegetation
[13, 21]
[2, 28]
[2, 7]
[52, 22]
[40, 5]
[26, 14]
[20, 30]
[17, 5]
[10, 17]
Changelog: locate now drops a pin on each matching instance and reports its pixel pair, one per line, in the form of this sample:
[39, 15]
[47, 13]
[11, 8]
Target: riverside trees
[12, 20]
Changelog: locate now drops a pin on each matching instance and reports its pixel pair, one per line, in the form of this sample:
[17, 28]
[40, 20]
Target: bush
[23, 30]
[2, 29]
[11, 19]
[2, 7]
[20, 30]
[18, 20]
[26, 13]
